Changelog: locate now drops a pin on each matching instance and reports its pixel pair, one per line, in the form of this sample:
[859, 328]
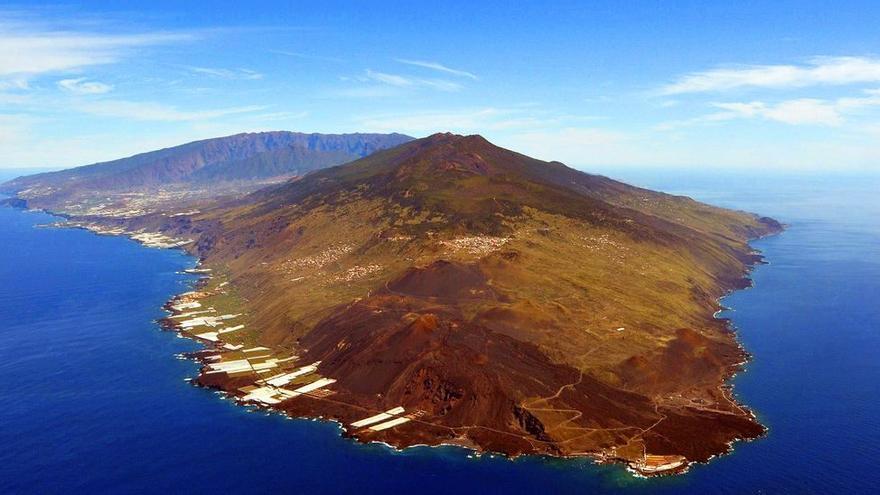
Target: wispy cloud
[30, 49]
[440, 84]
[15, 83]
[409, 82]
[81, 86]
[392, 79]
[817, 71]
[796, 112]
[438, 67]
[799, 111]
[244, 74]
[308, 56]
[148, 111]
[363, 91]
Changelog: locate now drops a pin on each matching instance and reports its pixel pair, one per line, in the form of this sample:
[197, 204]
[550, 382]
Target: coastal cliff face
[450, 291]
[504, 303]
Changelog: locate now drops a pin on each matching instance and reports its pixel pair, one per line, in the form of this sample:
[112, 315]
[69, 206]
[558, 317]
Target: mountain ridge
[238, 158]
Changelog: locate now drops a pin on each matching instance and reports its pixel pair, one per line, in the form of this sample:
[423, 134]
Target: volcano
[504, 303]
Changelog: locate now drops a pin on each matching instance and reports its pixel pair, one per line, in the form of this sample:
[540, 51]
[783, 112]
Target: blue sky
[598, 85]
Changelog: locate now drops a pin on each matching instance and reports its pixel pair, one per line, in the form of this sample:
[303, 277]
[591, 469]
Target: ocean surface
[94, 399]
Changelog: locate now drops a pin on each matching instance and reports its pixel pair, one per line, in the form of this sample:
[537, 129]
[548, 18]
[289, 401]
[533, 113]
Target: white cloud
[399, 81]
[607, 150]
[308, 56]
[135, 110]
[440, 84]
[795, 112]
[817, 71]
[14, 83]
[871, 98]
[438, 67]
[245, 74]
[29, 50]
[800, 111]
[373, 91]
[81, 86]
[392, 79]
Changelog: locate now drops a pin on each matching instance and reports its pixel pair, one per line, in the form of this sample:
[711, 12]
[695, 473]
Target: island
[446, 291]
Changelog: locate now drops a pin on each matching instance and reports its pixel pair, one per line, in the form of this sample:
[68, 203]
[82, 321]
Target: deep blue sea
[92, 398]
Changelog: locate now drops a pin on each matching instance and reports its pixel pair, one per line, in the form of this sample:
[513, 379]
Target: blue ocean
[93, 397]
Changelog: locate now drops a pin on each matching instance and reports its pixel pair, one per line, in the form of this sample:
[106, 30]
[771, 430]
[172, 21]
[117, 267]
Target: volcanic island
[449, 291]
